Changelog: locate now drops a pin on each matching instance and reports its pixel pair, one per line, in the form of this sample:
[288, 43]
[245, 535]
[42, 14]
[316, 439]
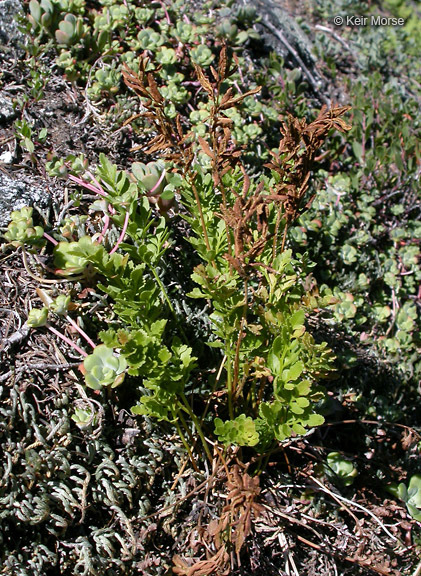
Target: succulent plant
[230, 31]
[104, 368]
[73, 227]
[107, 80]
[338, 467]
[252, 131]
[60, 305]
[253, 106]
[202, 55]
[166, 56]
[148, 39]
[154, 180]
[37, 317]
[70, 30]
[143, 15]
[112, 18]
[174, 93]
[184, 32]
[67, 62]
[40, 14]
[84, 418]
[21, 229]
[149, 175]
[411, 495]
[60, 167]
[227, 29]
[67, 262]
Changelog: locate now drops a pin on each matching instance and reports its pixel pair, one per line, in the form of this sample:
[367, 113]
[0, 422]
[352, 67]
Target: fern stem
[197, 425]
[163, 290]
[284, 237]
[199, 207]
[184, 441]
[168, 301]
[229, 379]
[239, 340]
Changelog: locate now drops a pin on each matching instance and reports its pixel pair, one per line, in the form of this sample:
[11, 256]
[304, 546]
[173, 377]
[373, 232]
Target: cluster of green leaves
[21, 229]
[271, 364]
[410, 494]
[26, 136]
[133, 284]
[263, 384]
[60, 167]
[81, 33]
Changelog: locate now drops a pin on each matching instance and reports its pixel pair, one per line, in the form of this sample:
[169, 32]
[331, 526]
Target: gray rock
[15, 194]
[7, 112]
[9, 32]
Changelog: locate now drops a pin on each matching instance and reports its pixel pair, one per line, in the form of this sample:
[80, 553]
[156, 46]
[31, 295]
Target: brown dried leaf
[205, 147]
[153, 89]
[214, 73]
[237, 99]
[204, 81]
[157, 144]
[179, 127]
[223, 61]
[224, 121]
[226, 97]
[217, 564]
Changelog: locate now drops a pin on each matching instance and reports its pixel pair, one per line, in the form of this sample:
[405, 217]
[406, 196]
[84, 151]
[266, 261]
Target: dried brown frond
[216, 564]
[242, 505]
[229, 532]
[296, 155]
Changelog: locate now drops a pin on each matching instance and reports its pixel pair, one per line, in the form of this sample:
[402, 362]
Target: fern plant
[264, 386]
[269, 365]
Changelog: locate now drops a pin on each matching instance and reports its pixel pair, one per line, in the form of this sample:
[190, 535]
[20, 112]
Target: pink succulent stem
[95, 181]
[91, 187]
[81, 332]
[165, 12]
[158, 183]
[50, 238]
[68, 341]
[104, 230]
[123, 232]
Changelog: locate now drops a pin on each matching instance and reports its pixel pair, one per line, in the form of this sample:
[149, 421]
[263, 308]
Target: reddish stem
[104, 230]
[50, 238]
[67, 340]
[158, 183]
[95, 181]
[81, 332]
[97, 190]
[123, 232]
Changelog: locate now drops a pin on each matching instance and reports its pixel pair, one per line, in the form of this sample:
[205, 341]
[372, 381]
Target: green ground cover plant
[366, 217]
